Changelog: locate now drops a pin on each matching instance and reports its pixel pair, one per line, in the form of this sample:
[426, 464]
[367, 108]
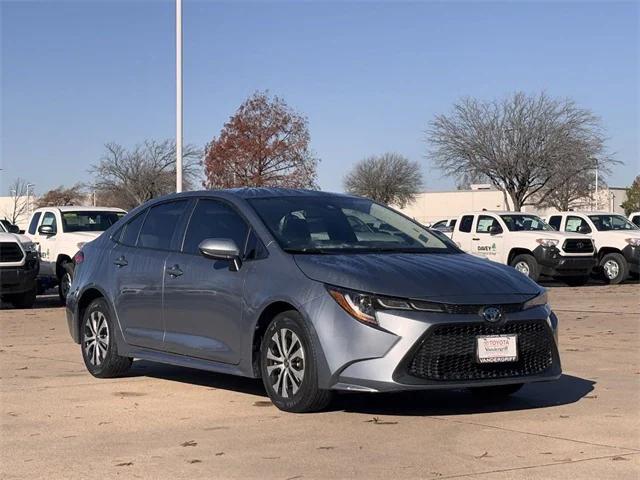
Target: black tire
[532, 265]
[23, 300]
[576, 281]
[308, 397]
[109, 364]
[64, 282]
[621, 268]
[496, 392]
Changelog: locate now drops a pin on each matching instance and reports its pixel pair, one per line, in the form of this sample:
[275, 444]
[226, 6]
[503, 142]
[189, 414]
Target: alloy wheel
[611, 269]
[285, 362]
[96, 338]
[522, 267]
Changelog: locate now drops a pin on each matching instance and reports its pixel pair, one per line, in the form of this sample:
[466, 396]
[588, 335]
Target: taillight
[78, 258]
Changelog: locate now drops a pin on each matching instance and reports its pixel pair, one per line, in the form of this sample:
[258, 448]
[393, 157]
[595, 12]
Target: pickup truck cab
[525, 242]
[617, 240]
[19, 266]
[60, 233]
[635, 219]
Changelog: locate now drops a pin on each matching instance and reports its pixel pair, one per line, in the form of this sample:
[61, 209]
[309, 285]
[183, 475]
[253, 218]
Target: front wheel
[614, 268]
[527, 265]
[65, 280]
[99, 349]
[288, 363]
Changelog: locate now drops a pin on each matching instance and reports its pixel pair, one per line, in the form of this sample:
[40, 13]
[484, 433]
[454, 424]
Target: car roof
[79, 208]
[585, 213]
[500, 212]
[252, 192]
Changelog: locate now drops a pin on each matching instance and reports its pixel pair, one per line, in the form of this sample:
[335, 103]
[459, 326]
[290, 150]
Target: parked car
[525, 242]
[617, 240]
[278, 284]
[19, 266]
[635, 219]
[60, 232]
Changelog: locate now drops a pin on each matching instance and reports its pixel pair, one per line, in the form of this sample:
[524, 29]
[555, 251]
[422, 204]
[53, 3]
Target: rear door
[463, 233]
[137, 262]
[202, 296]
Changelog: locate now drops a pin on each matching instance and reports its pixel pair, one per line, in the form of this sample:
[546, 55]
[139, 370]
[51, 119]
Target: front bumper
[553, 264]
[632, 256]
[19, 279]
[362, 358]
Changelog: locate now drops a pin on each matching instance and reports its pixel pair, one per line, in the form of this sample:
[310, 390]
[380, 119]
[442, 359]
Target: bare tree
[265, 143]
[521, 144]
[18, 207]
[62, 196]
[131, 177]
[389, 178]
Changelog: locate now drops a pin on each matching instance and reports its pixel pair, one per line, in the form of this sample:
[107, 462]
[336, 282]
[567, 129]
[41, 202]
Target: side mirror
[221, 249]
[495, 229]
[46, 230]
[13, 229]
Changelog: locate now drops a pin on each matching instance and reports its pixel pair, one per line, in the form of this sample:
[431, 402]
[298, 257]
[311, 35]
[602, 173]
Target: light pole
[29, 185]
[597, 203]
[178, 96]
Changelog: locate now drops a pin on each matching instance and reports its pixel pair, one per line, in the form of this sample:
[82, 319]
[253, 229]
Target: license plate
[497, 348]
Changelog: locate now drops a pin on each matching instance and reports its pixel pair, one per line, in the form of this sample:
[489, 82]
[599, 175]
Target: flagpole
[178, 96]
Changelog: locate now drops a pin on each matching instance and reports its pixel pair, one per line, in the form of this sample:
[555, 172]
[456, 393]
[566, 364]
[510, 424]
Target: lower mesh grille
[448, 352]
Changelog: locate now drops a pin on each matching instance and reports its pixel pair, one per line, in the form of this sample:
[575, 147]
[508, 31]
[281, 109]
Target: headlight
[536, 301]
[547, 242]
[80, 245]
[30, 247]
[634, 242]
[363, 306]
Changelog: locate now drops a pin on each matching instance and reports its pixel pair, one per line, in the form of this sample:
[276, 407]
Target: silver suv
[312, 292]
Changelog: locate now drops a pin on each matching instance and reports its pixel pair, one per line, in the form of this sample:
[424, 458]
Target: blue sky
[369, 76]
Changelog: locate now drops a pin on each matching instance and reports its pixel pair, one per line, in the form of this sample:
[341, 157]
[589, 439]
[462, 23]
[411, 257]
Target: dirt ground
[58, 422]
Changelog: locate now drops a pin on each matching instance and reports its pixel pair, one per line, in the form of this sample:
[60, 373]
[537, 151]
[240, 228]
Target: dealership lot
[167, 422]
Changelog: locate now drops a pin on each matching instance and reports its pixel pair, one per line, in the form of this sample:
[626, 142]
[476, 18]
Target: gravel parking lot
[166, 422]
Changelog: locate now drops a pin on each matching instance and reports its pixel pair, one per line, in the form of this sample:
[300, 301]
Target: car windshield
[89, 221]
[334, 224]
[520, 223]
[604, 223]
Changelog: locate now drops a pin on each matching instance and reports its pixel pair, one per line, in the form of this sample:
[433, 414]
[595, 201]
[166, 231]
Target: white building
[430, 207]
[25, 204]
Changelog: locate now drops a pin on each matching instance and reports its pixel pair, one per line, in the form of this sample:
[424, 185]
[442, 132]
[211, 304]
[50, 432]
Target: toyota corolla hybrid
[312, 292]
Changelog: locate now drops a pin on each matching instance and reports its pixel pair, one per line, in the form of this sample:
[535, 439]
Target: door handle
[121, 262]
[475, 239]
[174, 271]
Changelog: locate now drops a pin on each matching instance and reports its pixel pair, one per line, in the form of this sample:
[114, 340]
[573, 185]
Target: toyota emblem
[491, 314]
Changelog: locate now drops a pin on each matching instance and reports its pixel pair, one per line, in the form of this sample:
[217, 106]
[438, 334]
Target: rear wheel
[614, 268]
[527, 265]
[99, 349]
[496, 392]
[288, 363]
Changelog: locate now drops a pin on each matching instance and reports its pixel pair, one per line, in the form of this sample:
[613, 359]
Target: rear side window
[465, 223]
[636, 220]
[34, 223]
[131, 230]
[214, 219]
[160, 225]
[554, 221]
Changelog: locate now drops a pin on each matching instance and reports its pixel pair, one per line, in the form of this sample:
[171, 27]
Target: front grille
[578, 245]
[10, 252]
[448, 352]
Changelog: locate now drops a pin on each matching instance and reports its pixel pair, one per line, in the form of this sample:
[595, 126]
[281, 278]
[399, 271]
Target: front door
[488, 238]
[203, 297]
[48, 244]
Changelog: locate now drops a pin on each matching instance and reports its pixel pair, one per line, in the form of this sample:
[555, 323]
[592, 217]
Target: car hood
[449, 278]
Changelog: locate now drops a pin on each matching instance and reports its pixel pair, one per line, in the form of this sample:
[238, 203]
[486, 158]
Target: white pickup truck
[60, 232]
[617, 239]
[18, 268]
[527, 243]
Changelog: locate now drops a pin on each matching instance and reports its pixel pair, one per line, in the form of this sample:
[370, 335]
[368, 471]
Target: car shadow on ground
[568, 389]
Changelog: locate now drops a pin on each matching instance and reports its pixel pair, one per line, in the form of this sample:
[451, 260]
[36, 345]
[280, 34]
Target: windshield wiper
[307, 250]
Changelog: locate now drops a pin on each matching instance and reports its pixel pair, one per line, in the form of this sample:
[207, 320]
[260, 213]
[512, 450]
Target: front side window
[332, 224]
[34, 223]
[160, 225]
[604, 223]
[466, 223]
[49, 220]
[577, 225]
[524, 223]
[486, 223]
[214, 219]
[89, 221]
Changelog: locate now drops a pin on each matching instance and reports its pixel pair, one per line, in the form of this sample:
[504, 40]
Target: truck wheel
[23, 300]
[614, 268]
[526, 265]
[64, 284]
